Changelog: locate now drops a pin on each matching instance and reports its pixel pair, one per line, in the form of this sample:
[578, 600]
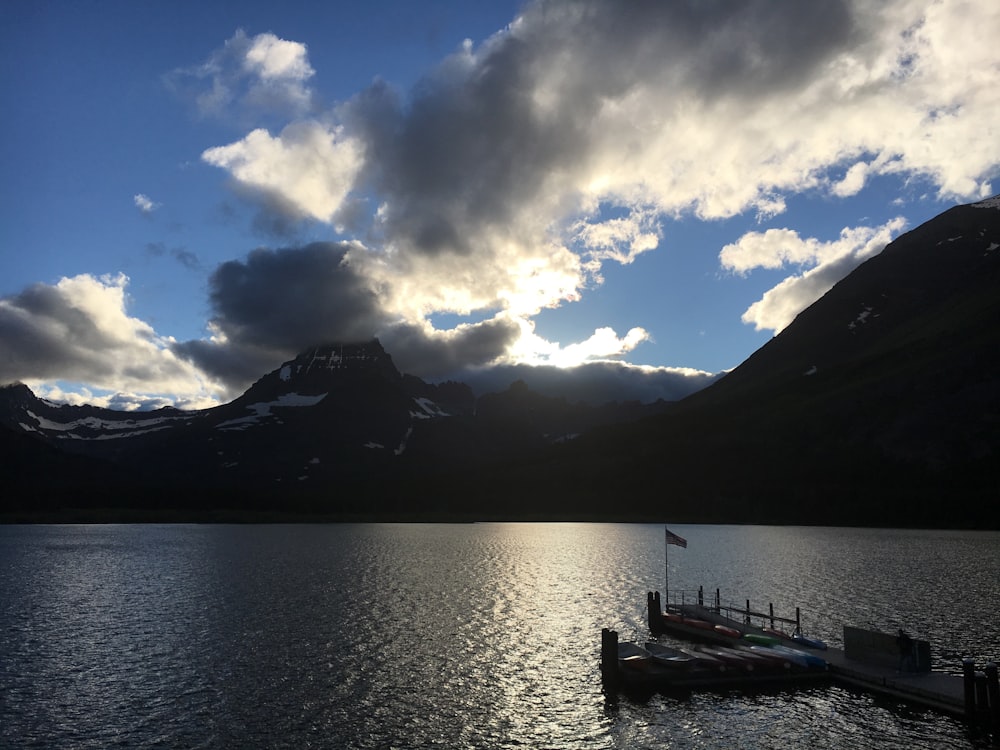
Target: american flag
[672, 538]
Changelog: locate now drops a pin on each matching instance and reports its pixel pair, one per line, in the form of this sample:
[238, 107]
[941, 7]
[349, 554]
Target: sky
[605, 198]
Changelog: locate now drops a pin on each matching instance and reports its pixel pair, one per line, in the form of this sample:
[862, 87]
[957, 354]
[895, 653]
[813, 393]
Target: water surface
[457, 636]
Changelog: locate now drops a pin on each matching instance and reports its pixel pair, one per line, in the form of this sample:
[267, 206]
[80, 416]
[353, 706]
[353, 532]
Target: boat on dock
[808, 660]
[730, 657]
[674, 658]
[813, 643]
[633, 656]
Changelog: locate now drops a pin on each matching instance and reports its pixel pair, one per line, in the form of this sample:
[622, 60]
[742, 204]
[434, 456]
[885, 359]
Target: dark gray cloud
[472, 151]
[182, 255]
[79, 330]
[46, 335]
[426, 354]
[294, 298]
[276, 303]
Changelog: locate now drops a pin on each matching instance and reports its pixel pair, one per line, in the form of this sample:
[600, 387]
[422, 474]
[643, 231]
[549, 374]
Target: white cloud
[273, 58]
[308, 167]
[853, 182]
[247, 77]
[144, 203]
[79, 330]
[603, 344]
[829, 262]
[621, 239]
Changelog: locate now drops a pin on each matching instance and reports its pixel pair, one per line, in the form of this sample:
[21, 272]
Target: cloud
[828, 263]
[144, 203]
[275, 303]
[183, 256]
[294, 298]
[248, 77]
[79, 330]
[307, 168]
[515, 169]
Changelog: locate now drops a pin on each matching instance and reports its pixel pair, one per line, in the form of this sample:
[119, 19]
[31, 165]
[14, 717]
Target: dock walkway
[938, 690]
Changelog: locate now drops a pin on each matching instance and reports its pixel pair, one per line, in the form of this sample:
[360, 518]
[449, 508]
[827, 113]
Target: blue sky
[638, 194]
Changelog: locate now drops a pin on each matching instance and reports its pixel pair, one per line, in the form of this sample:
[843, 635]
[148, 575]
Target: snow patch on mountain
[862, 318]
[110, 429]
[262, 410]
[402, 444]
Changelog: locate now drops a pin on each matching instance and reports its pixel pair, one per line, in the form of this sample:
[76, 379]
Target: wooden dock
[870, 661]
[937, 690]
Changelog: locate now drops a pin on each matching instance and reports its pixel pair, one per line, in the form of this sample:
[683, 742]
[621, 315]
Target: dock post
[993, 692]
[770, 607]
[701, 596]
[718, 602]
[798, 621]
[746, 617]
[609, 659]
[653, 611]
[969, 687]
[982, 698]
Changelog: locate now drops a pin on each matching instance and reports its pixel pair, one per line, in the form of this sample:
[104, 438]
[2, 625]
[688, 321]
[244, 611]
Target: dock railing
[743, 614]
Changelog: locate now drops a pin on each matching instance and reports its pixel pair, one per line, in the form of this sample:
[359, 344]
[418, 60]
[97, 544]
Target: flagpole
[669, 538]
[666, 572]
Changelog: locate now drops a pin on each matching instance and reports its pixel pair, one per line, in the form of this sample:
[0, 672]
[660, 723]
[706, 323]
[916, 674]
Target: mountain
[338, 430]
[878, 405]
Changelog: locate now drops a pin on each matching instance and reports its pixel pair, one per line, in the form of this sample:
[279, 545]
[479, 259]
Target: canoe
[671, 658]
[728, 631]
[702, 624]
[796, 659]
[732, 658]
[761, 640]
[812, 661]
[781, 634]
[633, 656]
[768, 659]
[762, 662]
[801, 640]
[706, 660]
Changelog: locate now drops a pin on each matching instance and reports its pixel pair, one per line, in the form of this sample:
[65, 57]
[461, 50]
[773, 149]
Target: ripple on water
[478, 636]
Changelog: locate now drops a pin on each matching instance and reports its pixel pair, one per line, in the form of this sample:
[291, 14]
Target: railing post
[982, 697]
[993, 693]
[969, 688]
[770, 607]
[609, 659]
[798, 621]
[654, 612]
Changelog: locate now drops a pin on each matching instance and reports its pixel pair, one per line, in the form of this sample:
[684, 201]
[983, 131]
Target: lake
[451, 636]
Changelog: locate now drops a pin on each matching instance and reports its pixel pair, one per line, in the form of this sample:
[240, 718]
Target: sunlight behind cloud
[530, 348]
